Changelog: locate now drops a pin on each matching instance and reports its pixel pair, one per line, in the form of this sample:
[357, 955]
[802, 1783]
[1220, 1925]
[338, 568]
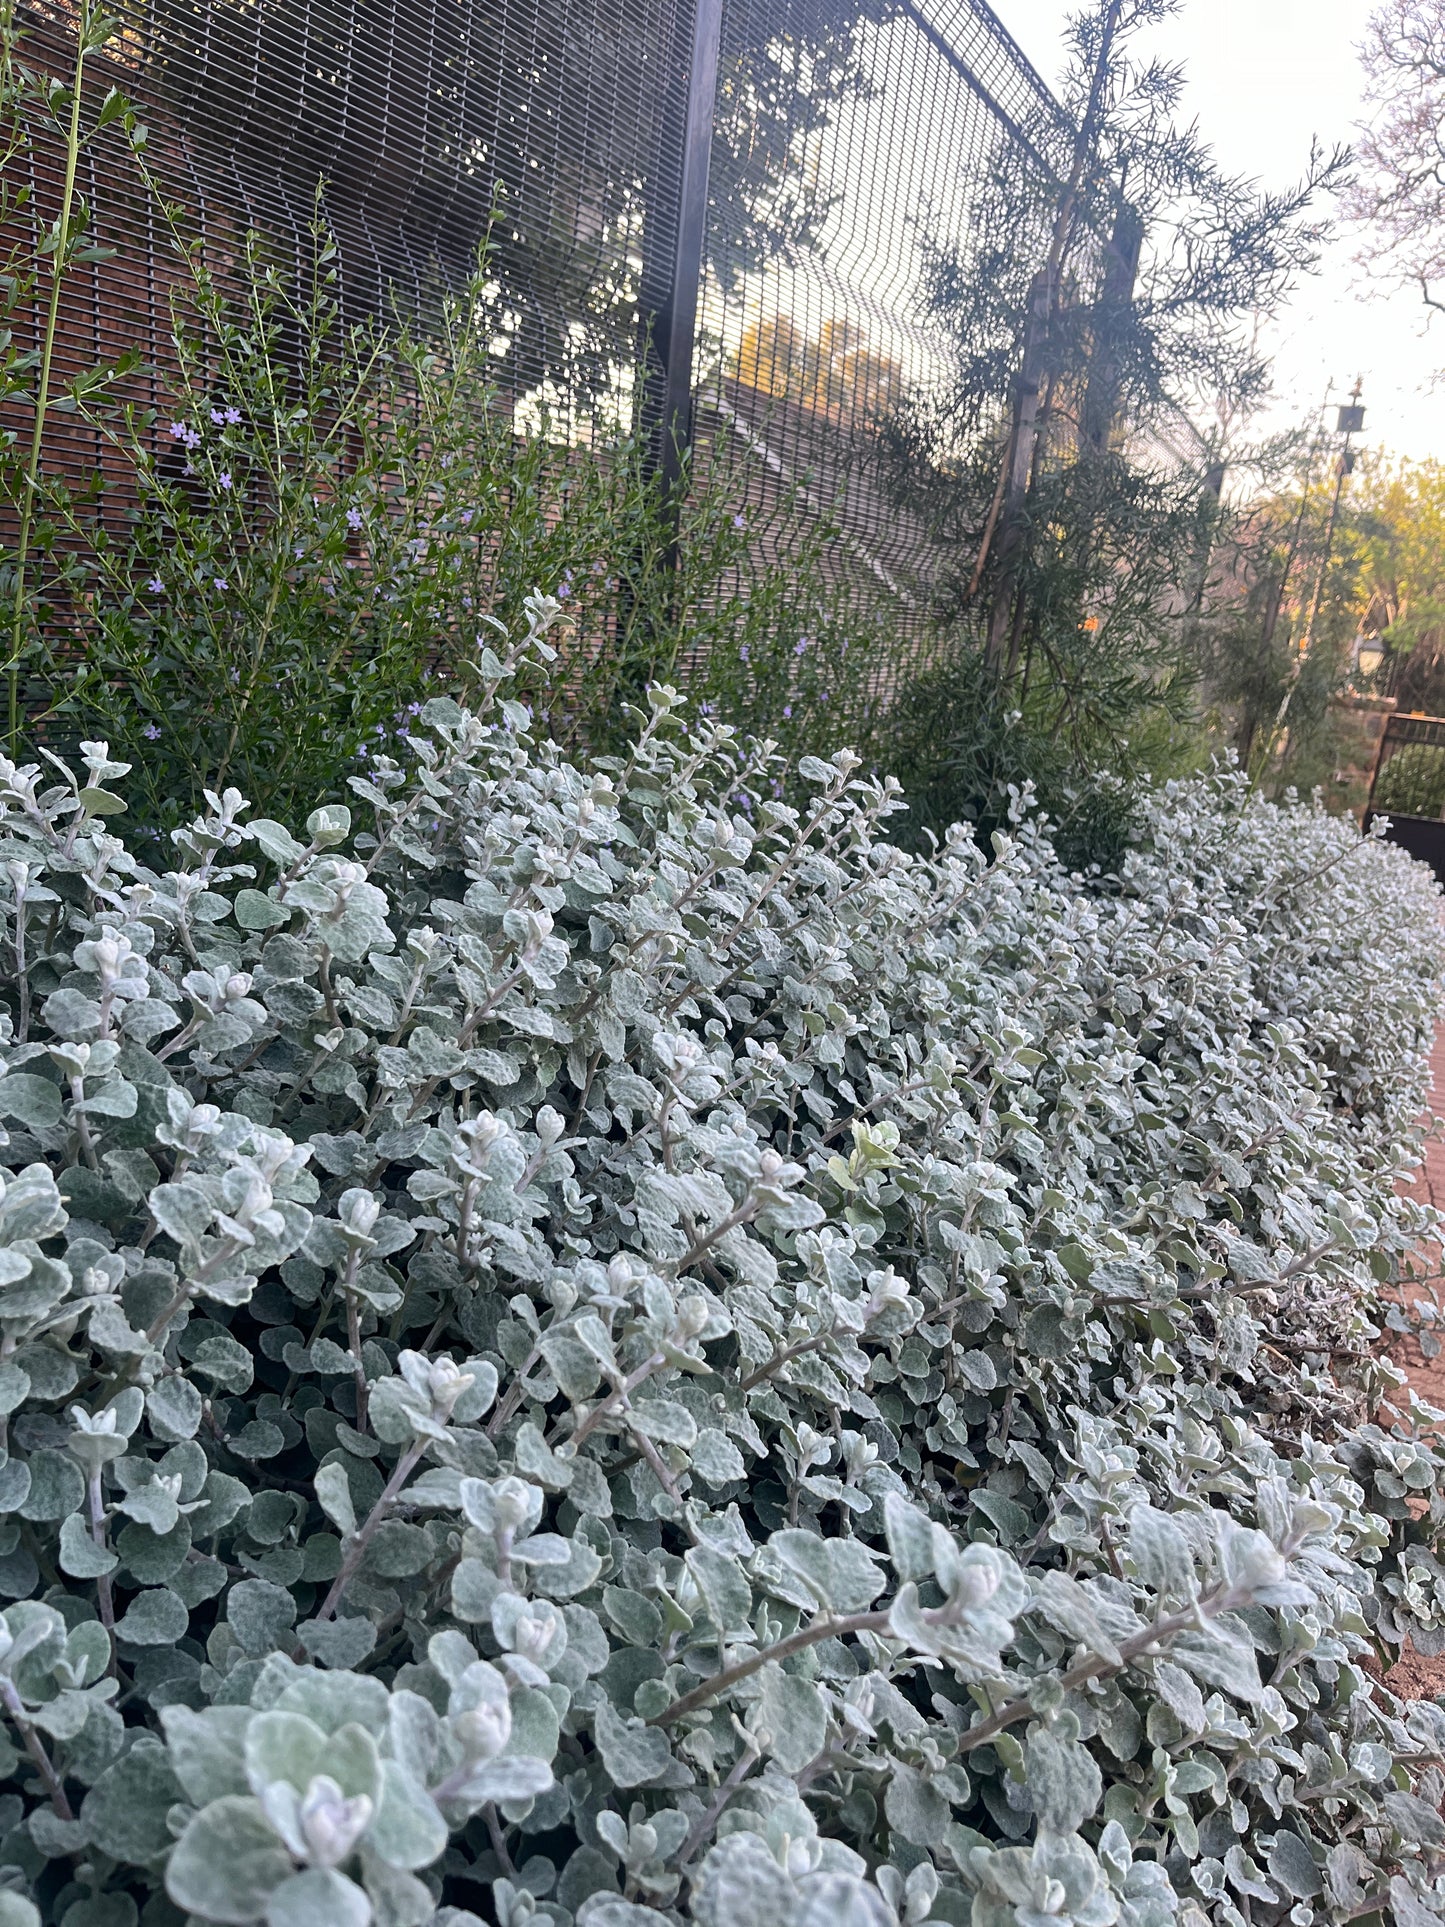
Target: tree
[423, 118]
[837, 374]
[1399, 533]
[1399, 194]
[1112, 299]
[1384, 573]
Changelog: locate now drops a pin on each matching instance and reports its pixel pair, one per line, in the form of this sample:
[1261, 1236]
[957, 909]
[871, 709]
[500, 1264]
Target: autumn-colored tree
[773, 357]
[1399, 532]
[837, 374]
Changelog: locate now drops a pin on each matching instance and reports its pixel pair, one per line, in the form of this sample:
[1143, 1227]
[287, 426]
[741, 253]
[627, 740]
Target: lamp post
[1369, 654]
[1350, 421]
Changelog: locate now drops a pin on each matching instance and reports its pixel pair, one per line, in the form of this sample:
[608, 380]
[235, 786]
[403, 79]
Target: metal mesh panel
[419, 121]
[850, 138]
[910, 114]
[1410, 772]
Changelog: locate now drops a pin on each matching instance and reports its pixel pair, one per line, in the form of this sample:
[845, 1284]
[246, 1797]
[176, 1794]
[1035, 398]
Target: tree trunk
[1006, 615]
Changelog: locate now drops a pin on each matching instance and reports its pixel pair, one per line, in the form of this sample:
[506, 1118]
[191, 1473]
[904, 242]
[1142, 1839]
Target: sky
[1265, 77]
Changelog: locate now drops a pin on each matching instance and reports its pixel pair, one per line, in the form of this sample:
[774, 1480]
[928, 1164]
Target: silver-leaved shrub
[588, 1346]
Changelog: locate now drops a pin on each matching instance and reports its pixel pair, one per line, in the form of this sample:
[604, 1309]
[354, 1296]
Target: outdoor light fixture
[1369, 654]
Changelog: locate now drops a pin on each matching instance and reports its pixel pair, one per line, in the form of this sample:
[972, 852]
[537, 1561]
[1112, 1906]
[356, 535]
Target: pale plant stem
[515, 1394]
[104, 1591]
[498, 1838]
[1093, 1666]
[353, 1339]
[659, 1465]
[780, 1359]
[356, 1551]
[744, 1214]
[22, 971]
[621, 1391]
[58, 266]
[35, 1747]
[703, 1826]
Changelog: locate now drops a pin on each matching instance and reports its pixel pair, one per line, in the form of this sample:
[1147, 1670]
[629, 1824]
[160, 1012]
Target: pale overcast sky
[1265, 77]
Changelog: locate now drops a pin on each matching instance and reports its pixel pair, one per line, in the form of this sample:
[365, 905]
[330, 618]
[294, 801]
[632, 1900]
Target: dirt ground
[1416, 1677]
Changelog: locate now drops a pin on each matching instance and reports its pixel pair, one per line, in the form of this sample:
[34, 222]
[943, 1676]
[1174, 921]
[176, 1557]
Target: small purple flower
[233, 416]
[151, 733]
[222, 583]
[564, 587]
[218, 417]
[822, 695]
[800, 645]
[353, 519]
[224, 478]
[740, 521]
[156, 586]
[787, 710]
[743, 653]
[192, 439]
[413, 709]
[704, 709]
[178, 431]
[465, 518]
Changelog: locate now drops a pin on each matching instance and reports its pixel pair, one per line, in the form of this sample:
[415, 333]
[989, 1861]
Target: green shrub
[1412, 782]
[591, 1346]
[312, 531]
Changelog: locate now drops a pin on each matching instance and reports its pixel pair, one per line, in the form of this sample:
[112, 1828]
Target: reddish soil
[1415, 1676]
[1427, 1375]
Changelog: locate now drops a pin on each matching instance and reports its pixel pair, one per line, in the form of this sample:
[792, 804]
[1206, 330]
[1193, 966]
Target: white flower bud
[1312, 1516]
[485, 1730]
[358, 1210]
[798, 1856]
[622, 1273]
[446, 1382]
[977, 1580]
[102, 1423]
[480, 1134]
[532, 1635]
[885, 1288]
[329, 1823]
[511, 1503]
[692, 1316]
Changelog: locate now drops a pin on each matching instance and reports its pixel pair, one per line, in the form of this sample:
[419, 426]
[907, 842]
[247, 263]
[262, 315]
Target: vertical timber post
[672, 321]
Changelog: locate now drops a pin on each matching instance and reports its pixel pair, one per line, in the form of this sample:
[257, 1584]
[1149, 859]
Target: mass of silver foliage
[593, 1345]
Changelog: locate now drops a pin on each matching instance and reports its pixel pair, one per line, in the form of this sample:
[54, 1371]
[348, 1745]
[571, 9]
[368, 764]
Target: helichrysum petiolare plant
[586, 1346]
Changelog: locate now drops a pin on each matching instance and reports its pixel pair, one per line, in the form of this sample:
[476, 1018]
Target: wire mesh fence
[850, 148]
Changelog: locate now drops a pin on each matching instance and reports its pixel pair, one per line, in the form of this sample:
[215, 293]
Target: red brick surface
[1414, 1676]
[1427, 1376]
